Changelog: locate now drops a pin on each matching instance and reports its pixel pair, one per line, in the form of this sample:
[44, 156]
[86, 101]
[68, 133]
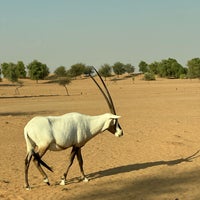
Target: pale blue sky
[95, 32]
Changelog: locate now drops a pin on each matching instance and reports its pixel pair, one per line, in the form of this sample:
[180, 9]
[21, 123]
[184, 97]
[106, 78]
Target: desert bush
[183, 76]
[149, 76]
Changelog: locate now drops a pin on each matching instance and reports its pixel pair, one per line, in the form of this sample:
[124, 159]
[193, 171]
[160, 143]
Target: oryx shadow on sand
[139, 166]
[147, 187]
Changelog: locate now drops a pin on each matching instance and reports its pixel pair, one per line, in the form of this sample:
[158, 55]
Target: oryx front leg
[80, 161]
[71, 159]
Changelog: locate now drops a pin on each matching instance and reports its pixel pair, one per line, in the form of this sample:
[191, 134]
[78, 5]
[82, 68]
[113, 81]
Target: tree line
[39, 71]
[167, 68]
[170, 68]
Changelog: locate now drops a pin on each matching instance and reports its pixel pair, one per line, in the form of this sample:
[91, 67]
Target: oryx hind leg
[27, 164]
[40, 153]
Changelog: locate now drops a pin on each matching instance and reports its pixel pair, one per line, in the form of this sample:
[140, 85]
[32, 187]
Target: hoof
[28, 188]
[46, 180]
[85, 180]
[62, 182]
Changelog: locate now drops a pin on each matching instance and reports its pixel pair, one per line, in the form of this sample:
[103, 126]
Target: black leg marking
[37, 161]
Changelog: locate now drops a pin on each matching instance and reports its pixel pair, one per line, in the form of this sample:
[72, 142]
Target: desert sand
[156, 159]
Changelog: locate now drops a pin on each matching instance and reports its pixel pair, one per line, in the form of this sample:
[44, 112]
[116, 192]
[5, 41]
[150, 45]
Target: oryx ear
[115, 117]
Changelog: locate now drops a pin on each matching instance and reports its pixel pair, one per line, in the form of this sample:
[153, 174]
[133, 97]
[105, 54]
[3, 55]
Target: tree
[129, 68]
[64, 81]
[153, 67]
[177, 69]
[37, 70]
[10, 72]
[105, 71]
[60, 71]
[194, 68]
[4, 67]
[77, 70]
[143, 67]
[163, 68]
[19, 85]
[21, 69]
[118, 68]
[88, 70]
[170, 68]
[13, 73]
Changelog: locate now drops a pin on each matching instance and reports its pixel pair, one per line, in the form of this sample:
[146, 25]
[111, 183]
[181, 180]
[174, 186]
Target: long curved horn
[108, 96]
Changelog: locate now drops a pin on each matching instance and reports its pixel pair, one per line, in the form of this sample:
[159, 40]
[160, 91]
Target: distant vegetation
[170, 68]
[167, 68]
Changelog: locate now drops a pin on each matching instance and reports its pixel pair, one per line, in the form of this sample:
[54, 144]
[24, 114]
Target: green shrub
[183, 76]
[149, 76]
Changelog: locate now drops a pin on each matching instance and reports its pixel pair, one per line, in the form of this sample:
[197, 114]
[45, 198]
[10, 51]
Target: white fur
[60, 132]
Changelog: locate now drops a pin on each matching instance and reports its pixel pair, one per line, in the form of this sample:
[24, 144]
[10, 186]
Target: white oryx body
[57, 133]
[61, 132]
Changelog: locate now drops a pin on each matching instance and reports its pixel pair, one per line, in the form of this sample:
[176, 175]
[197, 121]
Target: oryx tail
[31, 152]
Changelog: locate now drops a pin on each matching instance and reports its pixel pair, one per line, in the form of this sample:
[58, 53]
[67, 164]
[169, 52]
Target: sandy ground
[156, 159]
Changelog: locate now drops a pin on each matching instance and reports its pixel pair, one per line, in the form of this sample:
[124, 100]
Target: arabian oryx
[57, 133]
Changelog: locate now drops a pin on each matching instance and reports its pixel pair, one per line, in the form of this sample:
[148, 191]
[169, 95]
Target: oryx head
[114, 126]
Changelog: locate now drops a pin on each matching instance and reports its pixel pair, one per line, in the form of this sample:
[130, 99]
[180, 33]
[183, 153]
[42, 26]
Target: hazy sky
[95, 32]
